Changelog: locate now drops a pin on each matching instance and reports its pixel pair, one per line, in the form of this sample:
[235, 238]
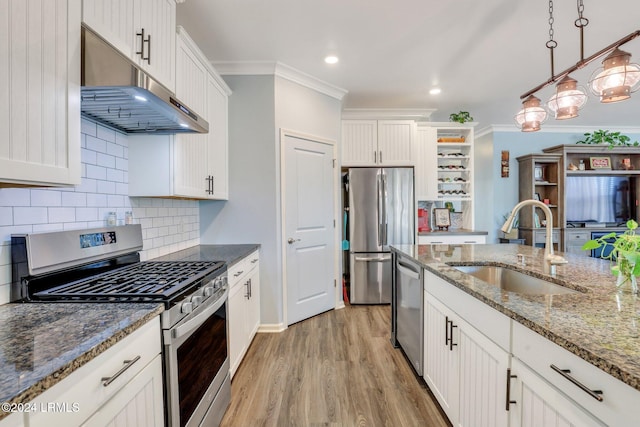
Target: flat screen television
[600, 199]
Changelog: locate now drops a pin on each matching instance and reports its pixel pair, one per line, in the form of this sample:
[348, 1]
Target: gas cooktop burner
[143, 281]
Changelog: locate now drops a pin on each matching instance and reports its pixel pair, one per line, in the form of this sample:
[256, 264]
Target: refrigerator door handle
[383, 258]
[384, 208]
[380, 208]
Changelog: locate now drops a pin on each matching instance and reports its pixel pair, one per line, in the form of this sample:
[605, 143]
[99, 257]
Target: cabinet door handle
[375, 156]
[127, 364]
[451, 344]
[248, 285]
[250, 289]
[141, 51]
[380, 156]
[509, 377]
[148, 58]
[448, 333]
[596, 394]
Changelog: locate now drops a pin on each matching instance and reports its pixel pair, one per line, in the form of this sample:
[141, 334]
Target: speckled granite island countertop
[599, 324]
[42, 343]
[228, 253]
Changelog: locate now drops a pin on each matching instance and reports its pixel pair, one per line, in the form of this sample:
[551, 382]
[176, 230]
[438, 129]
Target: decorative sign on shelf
[600, 162]
[504, 164]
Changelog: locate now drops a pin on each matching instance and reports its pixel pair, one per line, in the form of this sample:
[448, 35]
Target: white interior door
[308, 226]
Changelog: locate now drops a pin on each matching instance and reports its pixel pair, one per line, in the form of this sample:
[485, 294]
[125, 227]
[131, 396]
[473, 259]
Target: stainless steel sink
[513, 281]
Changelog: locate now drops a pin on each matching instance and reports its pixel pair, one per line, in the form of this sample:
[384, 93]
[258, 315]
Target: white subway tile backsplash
[88, 127]
[96, 144]
[62, 215]
[106, 160]
[6, 216]
[106, 134]
[167, 224]
[89, 157]
[24, 216]
[15, 197]
[74, 199]
[46, 198]
[105, 187]
[115, 175]
[87, 214]
[96, 172]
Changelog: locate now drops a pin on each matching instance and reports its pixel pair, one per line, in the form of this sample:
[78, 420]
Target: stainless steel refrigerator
[381, 212]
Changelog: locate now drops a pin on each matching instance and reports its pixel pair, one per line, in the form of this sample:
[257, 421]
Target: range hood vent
[120, 95]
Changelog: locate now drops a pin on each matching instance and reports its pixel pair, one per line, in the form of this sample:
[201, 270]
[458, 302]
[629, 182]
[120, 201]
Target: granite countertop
[600, 324]
[228, 253]
[42, 343]
[453, 232]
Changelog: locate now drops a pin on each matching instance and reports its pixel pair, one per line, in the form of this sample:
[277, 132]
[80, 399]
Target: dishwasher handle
[408, 270]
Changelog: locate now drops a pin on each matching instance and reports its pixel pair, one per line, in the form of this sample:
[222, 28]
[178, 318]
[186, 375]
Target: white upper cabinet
[378, 142]
[193, 166]
[40, 90]
[142, 30]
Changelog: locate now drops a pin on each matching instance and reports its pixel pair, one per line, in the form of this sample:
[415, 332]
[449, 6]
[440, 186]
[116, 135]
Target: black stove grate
[143, 281]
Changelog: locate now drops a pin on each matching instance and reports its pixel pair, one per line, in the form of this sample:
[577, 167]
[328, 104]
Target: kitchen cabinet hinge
[334, 163]
[335, 283]
[334, 223]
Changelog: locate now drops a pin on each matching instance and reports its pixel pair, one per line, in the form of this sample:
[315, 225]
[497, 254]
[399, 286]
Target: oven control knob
[186, 307]
[196, 300]
[208, 291]
[217, 284]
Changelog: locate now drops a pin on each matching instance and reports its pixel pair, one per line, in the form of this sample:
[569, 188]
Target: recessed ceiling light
[331, 59]
[435, 91]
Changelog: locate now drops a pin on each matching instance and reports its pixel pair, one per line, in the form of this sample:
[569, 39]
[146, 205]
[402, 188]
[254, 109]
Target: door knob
[291, 240]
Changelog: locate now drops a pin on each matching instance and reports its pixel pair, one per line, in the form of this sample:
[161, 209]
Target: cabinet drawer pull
[596, 394]
[253, 261]
[127, 364]
[238, 273]
[509, 377]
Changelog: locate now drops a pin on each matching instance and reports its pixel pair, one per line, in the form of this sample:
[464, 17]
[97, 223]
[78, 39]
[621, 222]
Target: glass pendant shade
[531, 116]
[617, 79]
[567, 100]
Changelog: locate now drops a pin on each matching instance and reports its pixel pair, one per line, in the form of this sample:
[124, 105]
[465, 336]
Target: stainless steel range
[103, 265]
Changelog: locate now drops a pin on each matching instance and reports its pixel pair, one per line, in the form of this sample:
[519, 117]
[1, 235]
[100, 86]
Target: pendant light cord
[581, 22]
[551, 44]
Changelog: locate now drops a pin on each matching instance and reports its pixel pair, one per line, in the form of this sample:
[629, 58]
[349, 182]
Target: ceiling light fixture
[435, 91]
[614, 82]
[331, 59]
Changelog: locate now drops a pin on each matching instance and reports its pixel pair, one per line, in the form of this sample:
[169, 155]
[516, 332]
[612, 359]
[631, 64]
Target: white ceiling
[483, 53]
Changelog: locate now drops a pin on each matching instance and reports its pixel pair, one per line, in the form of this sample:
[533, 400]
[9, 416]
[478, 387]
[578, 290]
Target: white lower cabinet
[464, 369]
[16, 419]
[244, 307]
[534, 402]
[611, 401]
[121, 386]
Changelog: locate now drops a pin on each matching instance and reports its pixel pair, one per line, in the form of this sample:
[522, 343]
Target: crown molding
[257, 68]
[388, 113]
[552, 129]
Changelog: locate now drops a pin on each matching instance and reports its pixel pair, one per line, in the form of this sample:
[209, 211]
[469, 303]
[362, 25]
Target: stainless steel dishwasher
[408, 310]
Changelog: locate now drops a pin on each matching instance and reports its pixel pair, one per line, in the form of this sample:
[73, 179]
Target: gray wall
[496, 196]
[258, 108]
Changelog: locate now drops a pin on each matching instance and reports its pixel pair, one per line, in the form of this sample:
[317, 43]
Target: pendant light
[617, 79]
[567, 100]
[531, 116]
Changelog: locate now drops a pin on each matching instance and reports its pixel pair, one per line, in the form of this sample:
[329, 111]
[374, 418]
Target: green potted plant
[625, 253]
[461, 117]
[614, 139]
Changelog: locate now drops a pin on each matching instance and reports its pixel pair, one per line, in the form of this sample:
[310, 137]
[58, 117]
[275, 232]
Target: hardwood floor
[336, 369]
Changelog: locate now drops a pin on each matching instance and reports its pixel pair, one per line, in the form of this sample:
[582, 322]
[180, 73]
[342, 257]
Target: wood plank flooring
[336, 369]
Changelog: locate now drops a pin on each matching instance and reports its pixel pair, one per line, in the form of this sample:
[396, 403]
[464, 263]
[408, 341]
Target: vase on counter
[625, 278]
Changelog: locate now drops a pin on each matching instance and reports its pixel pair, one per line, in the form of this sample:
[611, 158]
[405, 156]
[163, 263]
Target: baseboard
[340, 305]
[272, 328]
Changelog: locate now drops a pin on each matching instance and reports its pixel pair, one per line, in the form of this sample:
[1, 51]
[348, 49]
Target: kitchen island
[597, 324]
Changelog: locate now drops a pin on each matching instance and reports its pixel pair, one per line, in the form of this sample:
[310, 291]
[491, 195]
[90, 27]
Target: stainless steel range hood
[119, 94]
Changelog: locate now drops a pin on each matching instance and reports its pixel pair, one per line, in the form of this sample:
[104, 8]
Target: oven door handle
[199, 319]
